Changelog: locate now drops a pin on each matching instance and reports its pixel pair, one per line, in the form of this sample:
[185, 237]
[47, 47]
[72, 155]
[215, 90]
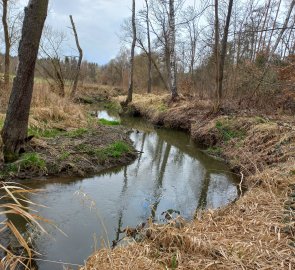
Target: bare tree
[173, 69]
[149, 89]
[130, 88]
[7, 44]
[76, 79]
[51, 63]
[221, 58]
[14, 132]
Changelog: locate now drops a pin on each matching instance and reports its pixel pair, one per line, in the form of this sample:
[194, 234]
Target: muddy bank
[76, 152]
[257, 231]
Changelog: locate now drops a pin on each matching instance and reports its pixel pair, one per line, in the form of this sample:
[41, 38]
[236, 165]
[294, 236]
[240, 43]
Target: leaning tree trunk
[14, 133]
[173, 70]
[131, 75]
[76, 79]
[7, 46]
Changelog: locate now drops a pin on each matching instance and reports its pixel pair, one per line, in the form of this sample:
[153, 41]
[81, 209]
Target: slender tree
[220, 63]
[131, 75]
[216, 54]
[7, 44]
[14, 133]
[149, 89]
[76, 79]
[173, 69]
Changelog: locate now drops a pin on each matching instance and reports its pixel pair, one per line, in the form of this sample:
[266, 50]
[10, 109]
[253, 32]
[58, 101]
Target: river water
[171, 172]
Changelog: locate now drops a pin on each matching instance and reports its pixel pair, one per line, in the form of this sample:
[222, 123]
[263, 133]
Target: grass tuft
[76, 133]
[109, 122]
[227, 132]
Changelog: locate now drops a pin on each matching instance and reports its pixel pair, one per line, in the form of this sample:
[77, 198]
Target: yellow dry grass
[48, 110]
[54, 111]
[246, 235]
[255, 232]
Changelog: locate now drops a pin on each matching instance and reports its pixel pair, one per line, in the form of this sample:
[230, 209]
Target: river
[171, 172]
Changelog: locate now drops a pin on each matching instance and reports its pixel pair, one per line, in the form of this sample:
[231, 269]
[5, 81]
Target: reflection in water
[169, 173]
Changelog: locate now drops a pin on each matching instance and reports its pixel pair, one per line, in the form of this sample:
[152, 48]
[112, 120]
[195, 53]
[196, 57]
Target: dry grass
[255, 232]
[14, 201]
[50, 110]
[246, 235]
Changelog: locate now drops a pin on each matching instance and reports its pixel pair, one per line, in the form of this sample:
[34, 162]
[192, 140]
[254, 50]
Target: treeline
[258, 48]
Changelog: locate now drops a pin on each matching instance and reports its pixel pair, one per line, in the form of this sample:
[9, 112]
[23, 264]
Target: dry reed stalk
[13, 198]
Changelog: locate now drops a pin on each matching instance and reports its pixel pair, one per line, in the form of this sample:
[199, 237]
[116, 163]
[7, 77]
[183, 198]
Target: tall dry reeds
[50, 110]
[14, 201]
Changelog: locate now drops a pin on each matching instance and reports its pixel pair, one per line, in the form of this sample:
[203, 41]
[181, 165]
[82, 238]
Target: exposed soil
[78, 152]
[255, 232]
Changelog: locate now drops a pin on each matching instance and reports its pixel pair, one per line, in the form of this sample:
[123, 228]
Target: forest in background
[259, 59]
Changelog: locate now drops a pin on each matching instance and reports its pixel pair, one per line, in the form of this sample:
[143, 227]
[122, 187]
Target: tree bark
[14, 133]
[76, 79]
[7, 45]
[131, 75]
[173, 70]
[222, 56]
[216, 54]
[149, 89]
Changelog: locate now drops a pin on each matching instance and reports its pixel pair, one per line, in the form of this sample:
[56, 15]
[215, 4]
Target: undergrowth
[227, 132]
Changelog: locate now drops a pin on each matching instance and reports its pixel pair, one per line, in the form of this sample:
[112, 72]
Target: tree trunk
[216, 53]
[222, 56]
[283, 29]
[14, 133]
[76, 79]
[7, 46]
[131, 75]
[173, 70]
[149, 89]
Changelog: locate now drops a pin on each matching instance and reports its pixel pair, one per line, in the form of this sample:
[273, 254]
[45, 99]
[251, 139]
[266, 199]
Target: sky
[98, 23]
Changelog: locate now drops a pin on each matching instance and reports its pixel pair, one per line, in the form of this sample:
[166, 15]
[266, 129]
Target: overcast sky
[97, 21]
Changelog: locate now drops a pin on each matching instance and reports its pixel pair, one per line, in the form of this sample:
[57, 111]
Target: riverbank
[255, 232]
[67, 141]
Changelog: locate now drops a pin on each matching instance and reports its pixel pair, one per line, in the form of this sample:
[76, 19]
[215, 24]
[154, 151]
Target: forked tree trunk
[173, 70]
[7, 45]
[76, 79]
[14, 133]
[131, 75]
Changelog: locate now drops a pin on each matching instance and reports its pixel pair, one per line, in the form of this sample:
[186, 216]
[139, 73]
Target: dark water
[170, 173]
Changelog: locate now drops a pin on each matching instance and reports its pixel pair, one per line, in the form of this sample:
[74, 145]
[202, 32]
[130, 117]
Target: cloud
[98, 24]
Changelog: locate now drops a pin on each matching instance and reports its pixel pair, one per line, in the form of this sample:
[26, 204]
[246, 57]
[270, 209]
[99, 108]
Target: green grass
[46, 133]
[115, 150]
[27, 161]
[64, 156]
[31, 161]
[109, 122]
[76, 133]
[227, 132]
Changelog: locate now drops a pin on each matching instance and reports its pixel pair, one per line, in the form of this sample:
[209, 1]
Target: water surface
[171, 172]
